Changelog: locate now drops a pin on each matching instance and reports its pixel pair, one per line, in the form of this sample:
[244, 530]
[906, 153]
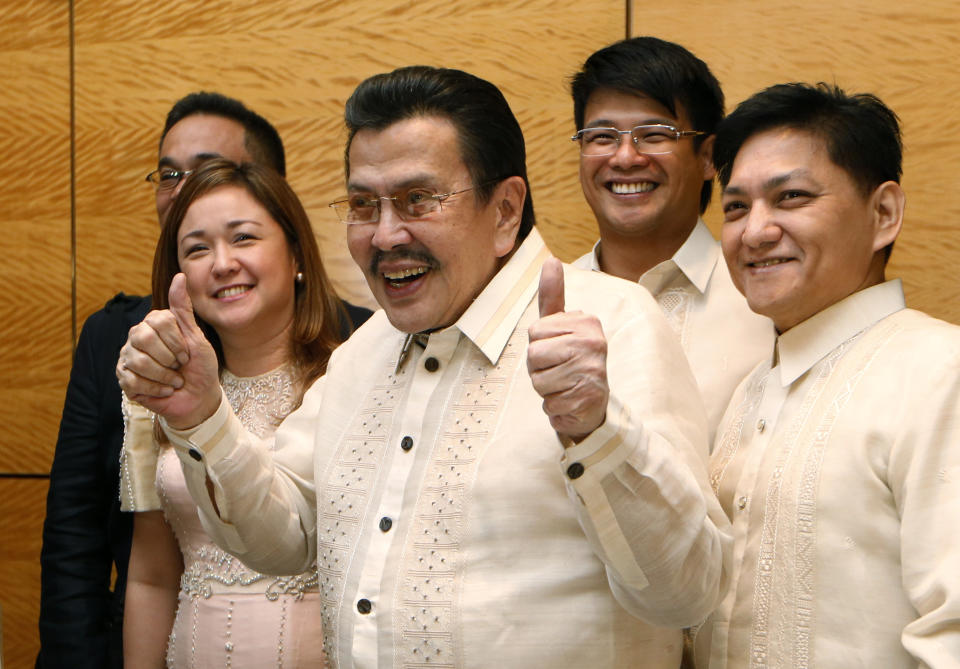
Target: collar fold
[805, 344]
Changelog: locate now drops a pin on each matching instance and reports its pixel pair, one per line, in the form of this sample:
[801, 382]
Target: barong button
[575, 470]
[761, 424]
[742, 502]
[364, 606]
[431, 364]
[385, 524]
[195, 454]
[406, 443]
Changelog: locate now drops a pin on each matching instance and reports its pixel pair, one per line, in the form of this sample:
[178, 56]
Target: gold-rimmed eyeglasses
[647, 139]
[167, 178]
[409, 203]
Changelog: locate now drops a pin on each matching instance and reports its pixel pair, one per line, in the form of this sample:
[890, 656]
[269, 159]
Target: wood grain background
[906, 53]
[80, 230]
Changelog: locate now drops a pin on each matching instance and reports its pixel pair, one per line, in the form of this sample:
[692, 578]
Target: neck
[246, 356]
[631, 256]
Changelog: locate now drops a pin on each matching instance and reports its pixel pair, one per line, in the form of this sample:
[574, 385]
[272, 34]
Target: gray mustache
[394, 255]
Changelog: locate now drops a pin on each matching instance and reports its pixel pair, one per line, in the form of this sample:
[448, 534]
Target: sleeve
[640, 487]
[138, 459]
[76, 558]
[264, 503]
[925, 480]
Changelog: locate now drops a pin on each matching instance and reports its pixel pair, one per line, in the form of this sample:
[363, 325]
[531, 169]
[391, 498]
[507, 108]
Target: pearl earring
[299, 277]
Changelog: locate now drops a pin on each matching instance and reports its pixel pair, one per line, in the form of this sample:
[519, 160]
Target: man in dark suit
[85, 536]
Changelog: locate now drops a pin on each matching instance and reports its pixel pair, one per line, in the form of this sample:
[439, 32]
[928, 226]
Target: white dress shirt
[839, 464]
[722, 338]
[450, 525]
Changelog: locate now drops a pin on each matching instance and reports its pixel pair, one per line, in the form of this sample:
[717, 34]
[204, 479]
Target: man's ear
[887, 205]
[705, 155]
[509, 196]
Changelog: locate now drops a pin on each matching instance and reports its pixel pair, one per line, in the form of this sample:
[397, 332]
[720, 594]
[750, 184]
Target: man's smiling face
[426, 271]
[637, 195]
[798, 233]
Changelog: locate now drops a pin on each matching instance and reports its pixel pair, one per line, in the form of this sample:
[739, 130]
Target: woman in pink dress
[253, 272]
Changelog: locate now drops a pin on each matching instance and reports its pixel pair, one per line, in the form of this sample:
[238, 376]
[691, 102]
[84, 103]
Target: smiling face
[194, 139]
[798, 234]
[238, 264]
[424, 272]
[642, 196]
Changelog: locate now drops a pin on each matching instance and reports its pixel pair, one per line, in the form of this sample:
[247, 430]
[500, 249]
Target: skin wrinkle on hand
[567, 360]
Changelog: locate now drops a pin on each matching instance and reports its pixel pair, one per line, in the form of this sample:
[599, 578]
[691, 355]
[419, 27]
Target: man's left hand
[567, 360]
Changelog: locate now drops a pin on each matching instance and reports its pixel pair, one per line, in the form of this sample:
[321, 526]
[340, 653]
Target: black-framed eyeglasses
[167, 178]
[409, 203]
[647, 139]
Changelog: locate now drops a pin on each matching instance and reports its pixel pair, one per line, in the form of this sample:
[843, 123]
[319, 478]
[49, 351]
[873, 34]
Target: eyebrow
[230, 225]
[608, 123]
[167, 161]
[417, 180]
[772, 182]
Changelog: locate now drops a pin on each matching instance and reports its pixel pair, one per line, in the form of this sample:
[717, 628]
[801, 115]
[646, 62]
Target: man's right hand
[168, 366]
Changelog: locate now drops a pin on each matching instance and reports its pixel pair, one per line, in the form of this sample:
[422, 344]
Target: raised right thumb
[182, 306]
[551, 297]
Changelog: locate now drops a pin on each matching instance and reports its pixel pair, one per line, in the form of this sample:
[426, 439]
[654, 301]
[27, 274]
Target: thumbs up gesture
[567, 360]
[167, 364]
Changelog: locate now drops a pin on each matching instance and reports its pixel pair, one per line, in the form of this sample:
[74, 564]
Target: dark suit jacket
[85, 535]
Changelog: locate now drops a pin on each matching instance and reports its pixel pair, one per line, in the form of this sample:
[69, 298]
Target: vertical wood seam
[73, 187]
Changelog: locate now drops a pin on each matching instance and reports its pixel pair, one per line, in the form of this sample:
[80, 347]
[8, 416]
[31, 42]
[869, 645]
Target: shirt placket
[427, 371]
[746, 508]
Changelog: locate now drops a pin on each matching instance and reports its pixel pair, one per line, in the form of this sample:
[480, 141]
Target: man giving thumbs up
[485, 479]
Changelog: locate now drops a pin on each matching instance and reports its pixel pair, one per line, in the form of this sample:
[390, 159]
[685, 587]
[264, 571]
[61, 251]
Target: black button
[364, 606]
[406, 443]
[431, 364]
[385, 524]
[575, 470]
[195, 454]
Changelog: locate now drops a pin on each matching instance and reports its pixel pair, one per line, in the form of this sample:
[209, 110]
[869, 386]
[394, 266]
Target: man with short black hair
[85, 536]
[486, 475]
[838, 456]
[645, 111]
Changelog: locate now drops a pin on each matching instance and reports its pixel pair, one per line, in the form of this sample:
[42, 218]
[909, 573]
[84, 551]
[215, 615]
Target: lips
[769, 262]
[231, 291]
[402, 267]
[620, 188]
[400, 277]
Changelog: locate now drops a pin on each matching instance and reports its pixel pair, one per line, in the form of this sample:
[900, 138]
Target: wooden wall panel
[35, 308]
[904, 53]
[35, 318]
[22, 505]
[296, 62]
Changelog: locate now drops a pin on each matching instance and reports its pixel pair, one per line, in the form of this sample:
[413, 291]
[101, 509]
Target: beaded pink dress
[229, 615]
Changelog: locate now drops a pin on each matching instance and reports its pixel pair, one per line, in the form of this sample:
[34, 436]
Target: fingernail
[178, 382]
[183, 358]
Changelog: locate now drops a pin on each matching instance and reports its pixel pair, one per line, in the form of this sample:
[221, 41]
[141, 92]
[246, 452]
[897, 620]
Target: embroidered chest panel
[783, 585]
[425, 575]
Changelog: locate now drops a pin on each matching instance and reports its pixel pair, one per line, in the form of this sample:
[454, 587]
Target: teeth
[404, 273]
[626, 189]
[233, 290]
[768, 263]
